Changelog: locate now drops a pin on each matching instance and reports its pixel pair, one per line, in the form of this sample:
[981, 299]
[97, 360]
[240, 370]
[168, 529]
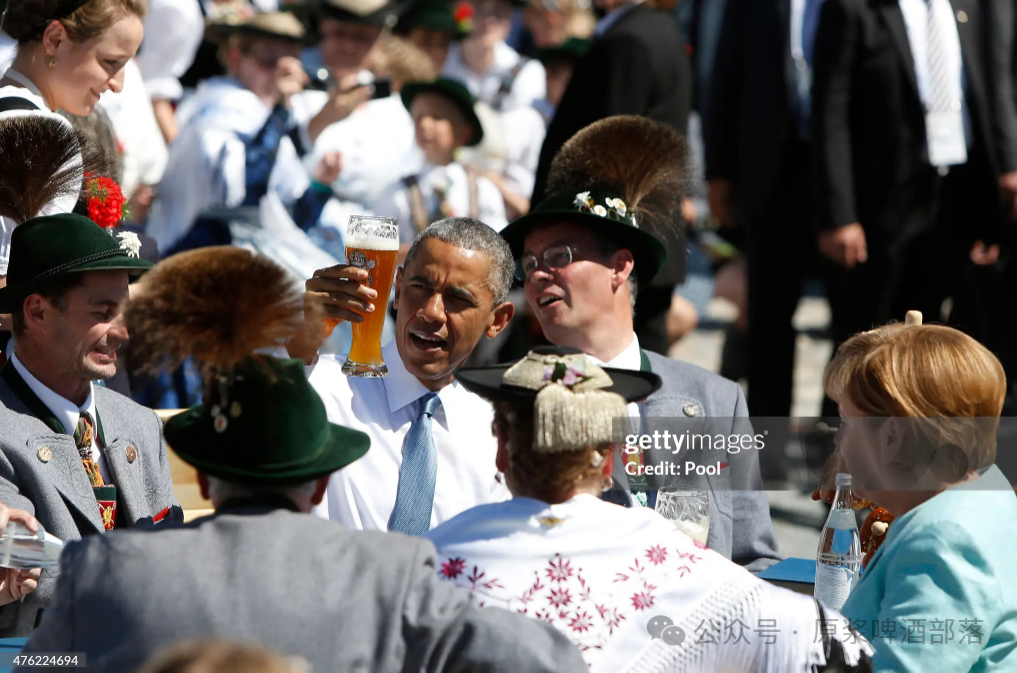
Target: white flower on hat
[130, 243]
[600, 210]
[619, 205]
[581, 199]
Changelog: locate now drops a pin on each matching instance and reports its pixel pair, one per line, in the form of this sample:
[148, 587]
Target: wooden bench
[185, 479]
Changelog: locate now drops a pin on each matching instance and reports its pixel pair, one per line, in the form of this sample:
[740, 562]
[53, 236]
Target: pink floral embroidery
[642, 600]
[476, 576]
[452, 568]
[691, 557]
[560, 570]
[560, 598]
[657, 555]
[581, 623]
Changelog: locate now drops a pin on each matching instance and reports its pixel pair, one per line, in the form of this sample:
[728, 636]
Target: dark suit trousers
[914, 271]
[781, 248]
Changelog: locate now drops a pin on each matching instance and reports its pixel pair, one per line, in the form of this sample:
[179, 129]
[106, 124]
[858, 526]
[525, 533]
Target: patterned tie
[940, 98]
[83, 440]
[415, 495]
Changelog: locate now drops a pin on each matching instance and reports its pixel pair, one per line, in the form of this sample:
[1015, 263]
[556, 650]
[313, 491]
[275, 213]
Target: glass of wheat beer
[372, 243]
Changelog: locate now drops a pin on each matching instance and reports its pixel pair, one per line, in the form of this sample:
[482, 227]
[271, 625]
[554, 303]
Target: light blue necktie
[417, 476]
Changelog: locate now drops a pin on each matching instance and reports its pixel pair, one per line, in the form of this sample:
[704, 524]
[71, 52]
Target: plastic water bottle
[840, 551]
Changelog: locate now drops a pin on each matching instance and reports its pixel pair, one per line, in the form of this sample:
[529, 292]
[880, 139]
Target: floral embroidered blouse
[633, 592]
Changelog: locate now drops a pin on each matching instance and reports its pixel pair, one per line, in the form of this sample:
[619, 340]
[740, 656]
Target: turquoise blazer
[940, 594]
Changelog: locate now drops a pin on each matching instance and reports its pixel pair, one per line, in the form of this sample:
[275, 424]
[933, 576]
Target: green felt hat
[455, 92]
[571, 50]
[283, 26]
[440, 15]
[601, 211]
[264, 426]
[46, 248]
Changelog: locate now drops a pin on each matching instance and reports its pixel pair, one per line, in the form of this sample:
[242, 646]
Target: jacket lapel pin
[691, 409]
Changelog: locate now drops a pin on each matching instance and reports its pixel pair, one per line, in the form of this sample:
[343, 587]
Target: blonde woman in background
[919, 407]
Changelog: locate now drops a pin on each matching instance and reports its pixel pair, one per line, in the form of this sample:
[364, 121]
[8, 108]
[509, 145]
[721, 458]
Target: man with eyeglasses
[583, 253]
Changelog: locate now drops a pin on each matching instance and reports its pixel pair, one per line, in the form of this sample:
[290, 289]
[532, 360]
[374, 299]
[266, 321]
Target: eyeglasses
[556, 257]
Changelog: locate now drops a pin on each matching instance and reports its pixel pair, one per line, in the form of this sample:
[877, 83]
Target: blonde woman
[920, 408]
[68, 55]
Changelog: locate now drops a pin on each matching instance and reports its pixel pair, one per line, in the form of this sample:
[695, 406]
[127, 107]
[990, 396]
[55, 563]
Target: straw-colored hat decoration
[571, 410]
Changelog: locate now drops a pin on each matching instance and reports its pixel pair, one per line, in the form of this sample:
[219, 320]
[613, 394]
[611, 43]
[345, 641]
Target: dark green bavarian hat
[600, 211]
[265, 426]
[443, 16]
[453, 91]
[284, 26]
[571, 49]
[46, 248]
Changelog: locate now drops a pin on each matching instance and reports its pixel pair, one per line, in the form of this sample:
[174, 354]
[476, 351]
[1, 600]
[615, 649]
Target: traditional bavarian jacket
[634, 593]
[41, 471]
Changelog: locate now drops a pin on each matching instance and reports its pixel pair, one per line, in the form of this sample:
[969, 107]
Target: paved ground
[797, 520]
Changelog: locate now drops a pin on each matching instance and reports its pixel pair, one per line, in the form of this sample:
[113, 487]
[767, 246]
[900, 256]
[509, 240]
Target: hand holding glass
[372, 243]
[688, 510]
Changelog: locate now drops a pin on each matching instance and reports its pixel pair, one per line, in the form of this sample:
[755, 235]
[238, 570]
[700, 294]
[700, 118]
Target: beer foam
[368, 242]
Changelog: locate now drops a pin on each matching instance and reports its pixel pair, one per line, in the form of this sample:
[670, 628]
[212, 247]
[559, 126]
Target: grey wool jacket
[259, 571]
[41, 472]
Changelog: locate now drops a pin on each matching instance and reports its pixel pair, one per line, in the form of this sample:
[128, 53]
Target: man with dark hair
[450, 293]
[78, 456]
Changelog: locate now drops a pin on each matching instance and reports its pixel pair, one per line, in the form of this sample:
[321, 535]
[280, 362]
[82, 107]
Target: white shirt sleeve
[526, 128]
[173, 33]
[491, 204]
[395, 202]
[529, 87]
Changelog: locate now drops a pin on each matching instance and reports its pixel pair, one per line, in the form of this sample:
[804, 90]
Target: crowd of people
[570, 183]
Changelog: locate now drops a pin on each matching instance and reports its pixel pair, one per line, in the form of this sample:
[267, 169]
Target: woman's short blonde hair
[926, 372]
[551, 477]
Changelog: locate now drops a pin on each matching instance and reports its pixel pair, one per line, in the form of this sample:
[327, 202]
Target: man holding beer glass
[432, 452]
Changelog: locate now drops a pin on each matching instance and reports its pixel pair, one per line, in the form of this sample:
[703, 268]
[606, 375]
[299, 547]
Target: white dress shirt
[66, 411]
[916, 18]
[144, 150]
[529, 85]
[630, 358]
[378, 147]
[363, 494]
[452, 180]
[173, 33]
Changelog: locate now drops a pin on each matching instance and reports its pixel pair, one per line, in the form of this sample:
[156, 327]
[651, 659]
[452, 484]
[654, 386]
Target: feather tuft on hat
[639, 159]
[40, 165]
[220, 305]
[571, 411]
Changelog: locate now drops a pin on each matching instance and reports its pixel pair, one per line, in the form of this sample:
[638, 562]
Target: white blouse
[631, 591]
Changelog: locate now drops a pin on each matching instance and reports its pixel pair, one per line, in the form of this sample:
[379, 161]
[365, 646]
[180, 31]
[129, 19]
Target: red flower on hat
[106, 202]
[464, 16]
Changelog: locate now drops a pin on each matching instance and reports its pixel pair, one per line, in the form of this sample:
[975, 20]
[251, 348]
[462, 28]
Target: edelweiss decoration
[130, 243]
[613, 208]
